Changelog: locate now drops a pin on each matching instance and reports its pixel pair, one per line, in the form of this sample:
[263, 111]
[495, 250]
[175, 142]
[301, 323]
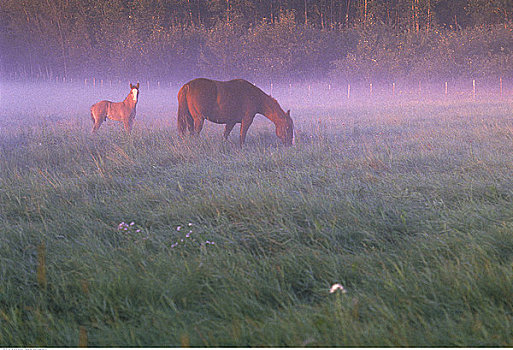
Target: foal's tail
[184, 117]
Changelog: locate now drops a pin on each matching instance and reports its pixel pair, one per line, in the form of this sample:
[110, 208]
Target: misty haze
[369, 204]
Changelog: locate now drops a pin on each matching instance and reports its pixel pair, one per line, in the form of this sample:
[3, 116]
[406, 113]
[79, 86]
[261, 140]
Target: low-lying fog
[30, 104]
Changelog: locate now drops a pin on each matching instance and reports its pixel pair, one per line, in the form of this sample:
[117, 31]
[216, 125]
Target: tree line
[347, 40]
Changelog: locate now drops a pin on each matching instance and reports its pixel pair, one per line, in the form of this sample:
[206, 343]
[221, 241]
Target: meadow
[154, 240]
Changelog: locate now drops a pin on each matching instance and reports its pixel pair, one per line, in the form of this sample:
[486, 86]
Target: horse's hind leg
[182, 125]
[190, 124]
[198, 125]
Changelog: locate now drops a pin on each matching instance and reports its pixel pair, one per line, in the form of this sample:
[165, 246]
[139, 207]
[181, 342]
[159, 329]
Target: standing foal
[120, 111]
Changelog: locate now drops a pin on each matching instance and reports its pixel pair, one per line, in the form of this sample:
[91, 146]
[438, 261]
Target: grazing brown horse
[120, 111]
[229, 102]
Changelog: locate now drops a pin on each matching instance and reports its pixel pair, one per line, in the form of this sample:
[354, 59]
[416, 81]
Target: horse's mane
[274, 104]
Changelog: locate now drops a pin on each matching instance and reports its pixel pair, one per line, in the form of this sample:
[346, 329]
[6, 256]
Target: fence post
[370, 89]
[348, 90]
[446, 89]
[473, 89]
[393, 89]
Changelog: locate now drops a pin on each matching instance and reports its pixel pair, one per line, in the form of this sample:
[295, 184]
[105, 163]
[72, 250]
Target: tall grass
[408, 207]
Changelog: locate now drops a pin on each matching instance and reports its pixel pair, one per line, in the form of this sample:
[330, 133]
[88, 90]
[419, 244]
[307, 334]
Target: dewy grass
[151, 240]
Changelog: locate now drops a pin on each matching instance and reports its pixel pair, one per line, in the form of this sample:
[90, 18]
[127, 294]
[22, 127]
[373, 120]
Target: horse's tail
[184, 116]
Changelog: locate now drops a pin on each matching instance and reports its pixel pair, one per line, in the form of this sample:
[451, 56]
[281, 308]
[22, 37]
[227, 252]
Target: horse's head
[285, 129]
[134, 91]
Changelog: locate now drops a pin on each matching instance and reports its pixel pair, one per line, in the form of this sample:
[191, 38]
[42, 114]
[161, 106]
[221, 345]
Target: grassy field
[408, 206]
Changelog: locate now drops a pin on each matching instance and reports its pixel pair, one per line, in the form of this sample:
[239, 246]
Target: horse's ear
[288, 113]
[137, 86]
[131, 87]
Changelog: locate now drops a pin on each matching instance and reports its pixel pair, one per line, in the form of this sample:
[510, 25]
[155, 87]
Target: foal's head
[134, 92]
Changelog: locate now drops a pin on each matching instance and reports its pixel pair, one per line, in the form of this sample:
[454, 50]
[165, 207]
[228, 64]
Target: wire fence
[326, 92]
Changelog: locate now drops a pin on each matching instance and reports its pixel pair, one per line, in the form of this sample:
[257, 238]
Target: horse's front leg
[227, 130]
[244, 126]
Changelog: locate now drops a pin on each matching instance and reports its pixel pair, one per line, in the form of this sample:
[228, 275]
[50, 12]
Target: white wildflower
[337, 286]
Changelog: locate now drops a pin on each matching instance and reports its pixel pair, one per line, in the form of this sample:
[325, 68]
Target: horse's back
[220, 101]
[201, 86]
[198, 94]
[238, 86]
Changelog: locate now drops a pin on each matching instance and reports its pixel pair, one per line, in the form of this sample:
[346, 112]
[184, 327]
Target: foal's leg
[127, 123]
[97, 120]
[227, 130]
[96, 126]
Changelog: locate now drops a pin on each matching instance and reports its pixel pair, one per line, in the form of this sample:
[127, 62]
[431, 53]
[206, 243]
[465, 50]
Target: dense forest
[289, 40]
